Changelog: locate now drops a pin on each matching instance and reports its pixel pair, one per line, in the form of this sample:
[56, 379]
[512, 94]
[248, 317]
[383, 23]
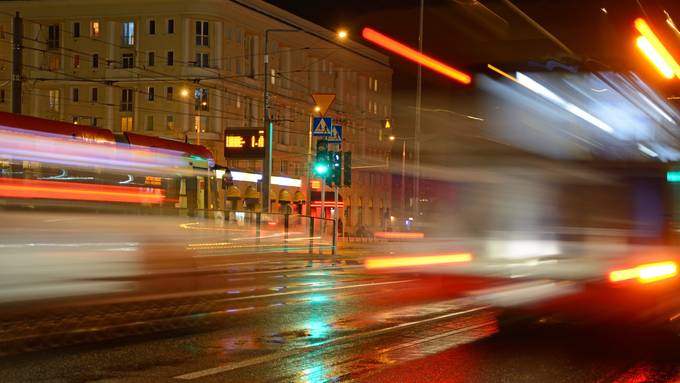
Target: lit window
[94, 28]
[126, 123]
[126, 100]
[54, 62]
[128, 33]
[54, 100]
[201, 98]
[202, 33]
[375, 84]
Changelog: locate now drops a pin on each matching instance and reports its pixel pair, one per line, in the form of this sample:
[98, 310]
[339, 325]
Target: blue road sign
[322, 126]
[336, 135]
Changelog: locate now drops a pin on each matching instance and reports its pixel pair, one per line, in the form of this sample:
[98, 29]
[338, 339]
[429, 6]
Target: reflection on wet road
[324, 323]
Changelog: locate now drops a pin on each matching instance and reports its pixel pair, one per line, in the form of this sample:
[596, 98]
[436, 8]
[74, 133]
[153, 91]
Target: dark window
[152, 27]
[152, 93]
[2, 96]
[152, 59]
[53, 37]
[128, 60]
[126, 100]
[95, 60]
[75, 95]
[95, 95]
[76, 61]
[76, 29]
[171, 58]
[201, 60]
[168, 93]
[171, 26]
[202, 33]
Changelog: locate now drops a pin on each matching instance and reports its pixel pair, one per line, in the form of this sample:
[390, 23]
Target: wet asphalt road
[339, 323]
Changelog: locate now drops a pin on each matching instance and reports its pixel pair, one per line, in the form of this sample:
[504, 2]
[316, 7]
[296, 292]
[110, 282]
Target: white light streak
[535, 87]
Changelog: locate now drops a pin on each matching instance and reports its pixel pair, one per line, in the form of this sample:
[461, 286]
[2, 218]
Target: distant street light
[317, 109]
[342, 34]
[184, 92]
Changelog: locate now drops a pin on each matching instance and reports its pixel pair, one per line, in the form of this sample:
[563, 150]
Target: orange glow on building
[399, 234]
[646, 273]
[654, 50]
[393, 262]
[27, 188]
[414, 55]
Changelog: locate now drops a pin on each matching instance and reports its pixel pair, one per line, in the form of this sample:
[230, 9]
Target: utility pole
[17, 62]
[419, 86]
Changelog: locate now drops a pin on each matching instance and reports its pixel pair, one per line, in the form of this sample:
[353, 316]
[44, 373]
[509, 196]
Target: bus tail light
[646, 273]
[426, 260]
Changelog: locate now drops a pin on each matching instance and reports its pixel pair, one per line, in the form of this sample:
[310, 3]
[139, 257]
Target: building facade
[193, 70]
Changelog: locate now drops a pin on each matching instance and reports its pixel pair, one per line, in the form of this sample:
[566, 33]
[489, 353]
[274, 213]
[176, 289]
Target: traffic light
[321, 165]
[347, 179]
[335, 170]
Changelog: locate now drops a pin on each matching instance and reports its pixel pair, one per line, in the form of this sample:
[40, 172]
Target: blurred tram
[55, 161]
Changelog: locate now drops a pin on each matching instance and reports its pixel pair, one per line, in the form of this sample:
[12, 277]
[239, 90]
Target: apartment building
[193, 70]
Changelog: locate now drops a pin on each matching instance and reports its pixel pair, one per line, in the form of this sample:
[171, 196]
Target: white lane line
[190, 294]
[315, 290]
[344, 339]
[435, 337]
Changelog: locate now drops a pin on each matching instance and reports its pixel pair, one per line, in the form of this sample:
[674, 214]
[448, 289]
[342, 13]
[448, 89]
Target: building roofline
[310, 28]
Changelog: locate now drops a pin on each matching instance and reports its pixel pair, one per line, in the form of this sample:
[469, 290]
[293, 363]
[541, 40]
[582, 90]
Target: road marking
[344, 339]
[315, 290]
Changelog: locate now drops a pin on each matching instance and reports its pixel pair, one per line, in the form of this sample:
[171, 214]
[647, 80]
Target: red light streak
[26, 188]
[399, 234]
[414, 55]
[384, 263]
[646, 273]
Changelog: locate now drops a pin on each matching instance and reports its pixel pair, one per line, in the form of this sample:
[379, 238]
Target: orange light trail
[414, 55]
[654, 50]
[501, 72]
[399, 234]
[394, 262]
[646, 273]
[26, 188]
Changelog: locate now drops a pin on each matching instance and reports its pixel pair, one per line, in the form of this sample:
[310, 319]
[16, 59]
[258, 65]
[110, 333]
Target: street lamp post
[403, 170]
[268, 128]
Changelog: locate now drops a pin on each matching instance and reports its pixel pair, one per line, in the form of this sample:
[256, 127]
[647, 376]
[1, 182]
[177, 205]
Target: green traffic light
[321, 169]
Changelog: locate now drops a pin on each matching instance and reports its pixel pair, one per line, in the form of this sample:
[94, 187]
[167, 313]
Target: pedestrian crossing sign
[336, 135]
[322, 126]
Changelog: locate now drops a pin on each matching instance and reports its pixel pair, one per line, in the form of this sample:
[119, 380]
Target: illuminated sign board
[243, 143]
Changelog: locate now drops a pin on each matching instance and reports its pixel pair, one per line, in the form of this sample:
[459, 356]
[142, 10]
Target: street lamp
[268, 125]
